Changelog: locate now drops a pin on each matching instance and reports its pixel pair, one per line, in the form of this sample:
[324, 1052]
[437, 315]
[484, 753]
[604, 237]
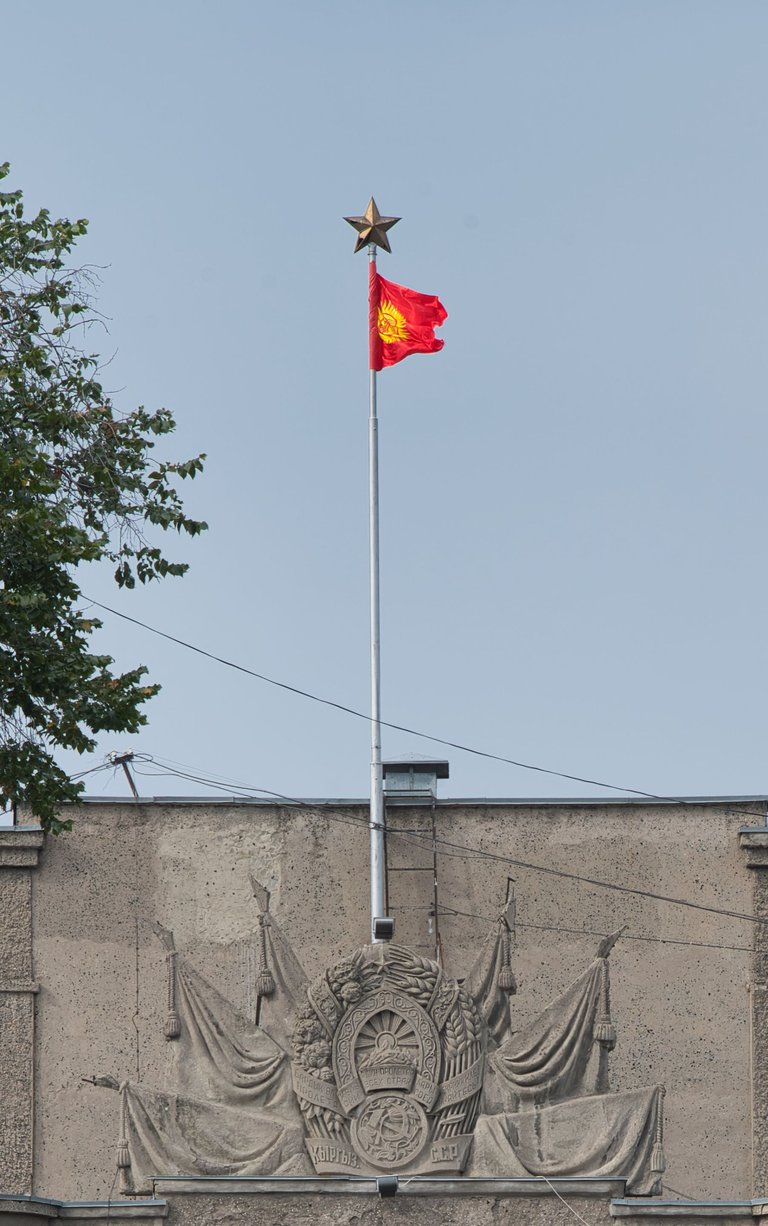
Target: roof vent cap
[413, 778]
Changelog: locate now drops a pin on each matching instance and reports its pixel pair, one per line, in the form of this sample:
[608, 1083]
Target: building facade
[569, 1022]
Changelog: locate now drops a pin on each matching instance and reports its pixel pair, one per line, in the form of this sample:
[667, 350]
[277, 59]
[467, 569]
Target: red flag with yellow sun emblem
[401, 321]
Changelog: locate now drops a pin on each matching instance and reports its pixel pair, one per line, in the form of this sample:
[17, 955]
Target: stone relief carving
[385, 1063]
[393, 1078]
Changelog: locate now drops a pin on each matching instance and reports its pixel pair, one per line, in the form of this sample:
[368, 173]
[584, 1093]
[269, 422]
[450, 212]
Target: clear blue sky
[573, 505]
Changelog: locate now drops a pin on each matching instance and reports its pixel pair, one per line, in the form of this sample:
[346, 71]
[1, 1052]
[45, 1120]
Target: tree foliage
[78, 483]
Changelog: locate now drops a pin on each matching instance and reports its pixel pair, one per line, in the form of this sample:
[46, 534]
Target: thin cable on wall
[462, 851]
[447, 912]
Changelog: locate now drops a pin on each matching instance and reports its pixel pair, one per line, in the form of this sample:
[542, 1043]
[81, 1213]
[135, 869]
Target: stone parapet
[657, 1212]
[40, 1211]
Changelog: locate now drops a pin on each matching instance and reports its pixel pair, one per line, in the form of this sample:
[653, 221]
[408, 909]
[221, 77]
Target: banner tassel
[172, 1027]
[265, 984]
[658, 1161]
[123, 1152]
[604, 1031]
[507, 981]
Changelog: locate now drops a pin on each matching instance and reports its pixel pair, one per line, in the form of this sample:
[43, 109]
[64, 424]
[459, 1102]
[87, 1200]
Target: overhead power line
[426, 736]
[91, 770]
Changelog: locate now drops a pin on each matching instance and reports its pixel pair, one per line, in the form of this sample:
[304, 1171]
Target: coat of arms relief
[384, 1063]
[389, 1056]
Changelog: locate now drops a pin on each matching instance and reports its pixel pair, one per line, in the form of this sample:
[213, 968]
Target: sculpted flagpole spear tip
[372, 228]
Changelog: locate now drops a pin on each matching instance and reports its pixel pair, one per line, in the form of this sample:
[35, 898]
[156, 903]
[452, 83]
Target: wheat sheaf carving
[463, 1045]
[411, 974]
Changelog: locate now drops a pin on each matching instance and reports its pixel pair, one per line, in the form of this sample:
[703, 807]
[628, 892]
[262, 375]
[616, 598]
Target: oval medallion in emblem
[390, 1130]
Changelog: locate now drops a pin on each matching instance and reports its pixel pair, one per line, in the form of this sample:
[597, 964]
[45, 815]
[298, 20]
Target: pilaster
[19, 852]
[754, 843]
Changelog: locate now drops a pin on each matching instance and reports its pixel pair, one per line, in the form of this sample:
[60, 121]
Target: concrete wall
[682, 1010]
[18, 860]
[402, 1210]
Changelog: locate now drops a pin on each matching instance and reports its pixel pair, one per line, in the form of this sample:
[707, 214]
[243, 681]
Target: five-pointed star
[372, 227]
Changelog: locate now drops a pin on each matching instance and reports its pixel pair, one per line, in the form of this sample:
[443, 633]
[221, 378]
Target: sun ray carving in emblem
[391, 323]
[385, 1032]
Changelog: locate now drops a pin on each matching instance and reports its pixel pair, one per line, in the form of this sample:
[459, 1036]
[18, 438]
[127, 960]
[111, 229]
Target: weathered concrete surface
[39, 1211]
[17, 1031]
[276, 1210]
[18, 857]
[682, 1010]
[666, 1212]
[754, 845]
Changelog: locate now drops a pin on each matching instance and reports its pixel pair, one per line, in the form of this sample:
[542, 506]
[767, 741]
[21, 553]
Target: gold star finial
[372, 228]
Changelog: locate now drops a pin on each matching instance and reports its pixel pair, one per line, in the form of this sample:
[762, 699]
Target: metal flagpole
[377, 820]
[371, 230]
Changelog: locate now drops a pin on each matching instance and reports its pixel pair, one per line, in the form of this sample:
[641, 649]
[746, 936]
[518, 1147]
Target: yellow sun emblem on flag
[391, 323]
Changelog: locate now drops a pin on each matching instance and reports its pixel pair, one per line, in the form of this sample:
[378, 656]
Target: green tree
[78, 483]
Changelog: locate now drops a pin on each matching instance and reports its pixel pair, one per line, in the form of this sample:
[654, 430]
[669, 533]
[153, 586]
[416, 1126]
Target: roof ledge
[652, 1210]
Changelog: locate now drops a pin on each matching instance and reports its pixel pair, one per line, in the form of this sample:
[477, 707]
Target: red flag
[401, 321]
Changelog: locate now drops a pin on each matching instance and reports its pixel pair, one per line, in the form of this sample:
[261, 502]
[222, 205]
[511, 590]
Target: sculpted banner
[391, 1066]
